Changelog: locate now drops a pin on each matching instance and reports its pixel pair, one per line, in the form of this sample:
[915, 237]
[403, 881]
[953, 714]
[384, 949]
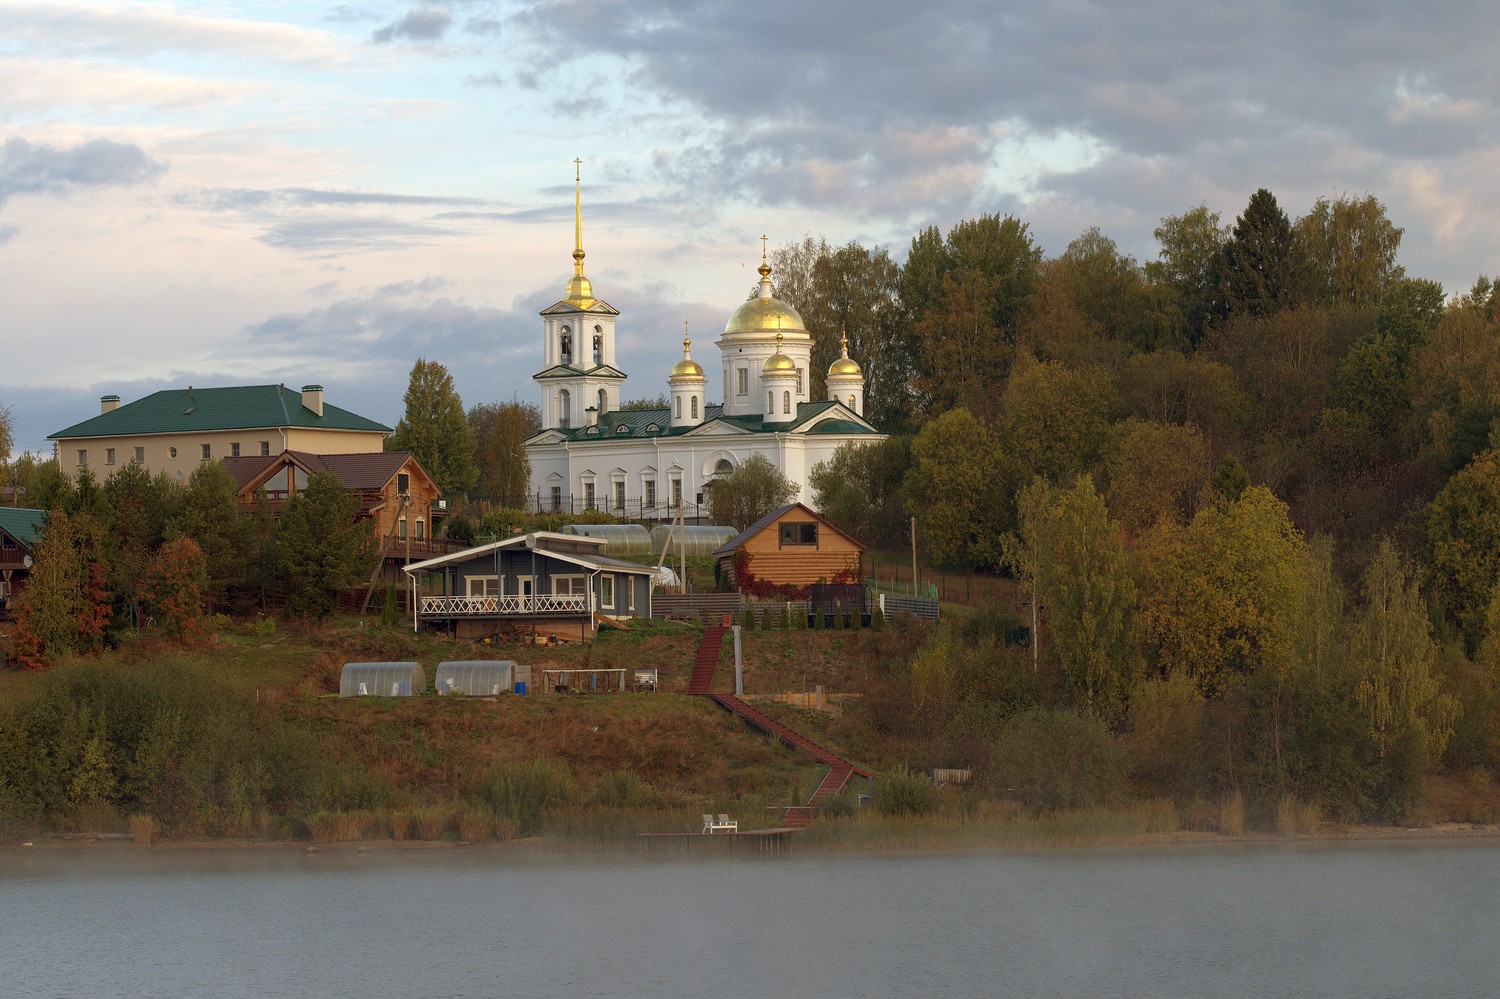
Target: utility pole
[914, 556]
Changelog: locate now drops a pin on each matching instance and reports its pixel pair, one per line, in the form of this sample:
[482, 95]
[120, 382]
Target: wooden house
[395, 492]
[792, 545]
[20, 530]
[543, 583]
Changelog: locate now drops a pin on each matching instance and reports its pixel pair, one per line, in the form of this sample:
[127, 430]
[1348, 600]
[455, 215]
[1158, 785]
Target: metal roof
[368, 472]
[631, 424]
[195, 410]
[23, 524]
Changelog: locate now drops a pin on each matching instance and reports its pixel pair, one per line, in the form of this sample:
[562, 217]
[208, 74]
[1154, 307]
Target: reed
[1232, 814]
[1297, 818]
[144, 829]
[995, 824]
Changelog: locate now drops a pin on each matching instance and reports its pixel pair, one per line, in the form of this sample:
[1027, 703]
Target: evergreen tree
[211, 516]
[323, 549]
[435, 429]
[1258, 265]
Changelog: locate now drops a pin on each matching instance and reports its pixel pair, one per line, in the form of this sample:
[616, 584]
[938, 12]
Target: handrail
[492, 606]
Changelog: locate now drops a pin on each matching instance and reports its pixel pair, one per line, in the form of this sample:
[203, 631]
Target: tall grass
[994, 824]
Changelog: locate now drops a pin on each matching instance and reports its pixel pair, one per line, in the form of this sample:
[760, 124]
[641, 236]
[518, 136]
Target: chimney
[591, 416]
[109, 403]
[312, 398]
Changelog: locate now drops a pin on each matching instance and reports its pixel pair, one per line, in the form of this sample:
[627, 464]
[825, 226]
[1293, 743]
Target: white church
[652, 463]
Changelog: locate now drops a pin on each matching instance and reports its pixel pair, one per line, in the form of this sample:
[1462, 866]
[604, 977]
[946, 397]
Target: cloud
[421, 24]
[8, 233]
[33, 168]
[145, 30]
[331, 236]
[230, 199]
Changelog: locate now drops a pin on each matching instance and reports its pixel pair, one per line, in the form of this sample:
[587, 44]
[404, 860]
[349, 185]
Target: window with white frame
[742, 381]
[109, 456]
[676, 492]
[482, 586]
[786, 402]
[607, 592]
[679, 407]
[620, 494]
[234, 450]
[206, 451]
[140, 455]
[401, 528]
[265, 449]
[695, 408]
[563, 586]
[557, 498]
[799, 383]
[588, 494]
[421, 528]
[649, 488]
[83, 457]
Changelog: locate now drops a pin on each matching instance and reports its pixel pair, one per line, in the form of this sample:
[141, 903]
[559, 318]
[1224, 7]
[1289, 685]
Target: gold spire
[580, 291]
[779, 362]
[843, 365]
[687, 367]
[764, 270]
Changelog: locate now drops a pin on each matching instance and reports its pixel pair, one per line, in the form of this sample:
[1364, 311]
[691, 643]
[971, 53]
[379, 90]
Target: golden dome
[687, 367]
[779, 363]
[844, 367]
[764, 314]
[580, 291]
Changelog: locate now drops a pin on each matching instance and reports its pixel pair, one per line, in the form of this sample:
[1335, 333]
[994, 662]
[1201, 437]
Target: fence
[624, 507]
[890, 604]
[696, 605]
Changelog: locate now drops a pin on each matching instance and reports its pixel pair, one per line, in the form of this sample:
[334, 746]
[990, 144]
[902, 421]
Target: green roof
[625, 424]
[22, 524]
[194, 410]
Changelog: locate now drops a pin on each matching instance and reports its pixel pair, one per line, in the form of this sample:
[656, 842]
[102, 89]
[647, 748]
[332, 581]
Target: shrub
[522, 792]
[1060, 759]
[877, 619]
[765, 619]
[903, 792]
[619, 789]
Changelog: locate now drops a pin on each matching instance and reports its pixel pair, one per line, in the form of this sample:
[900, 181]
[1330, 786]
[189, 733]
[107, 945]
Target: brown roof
[739, 539]
[361, 473]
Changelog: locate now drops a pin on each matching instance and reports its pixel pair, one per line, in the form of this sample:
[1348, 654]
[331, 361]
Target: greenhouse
[622, 540]
[382, 680]
[476, 677]
[692, 540]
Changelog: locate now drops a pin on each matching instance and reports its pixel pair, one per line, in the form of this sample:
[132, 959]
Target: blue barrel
[521, 687]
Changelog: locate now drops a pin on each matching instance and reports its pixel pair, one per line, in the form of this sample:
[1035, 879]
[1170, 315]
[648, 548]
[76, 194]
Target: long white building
[591, 454]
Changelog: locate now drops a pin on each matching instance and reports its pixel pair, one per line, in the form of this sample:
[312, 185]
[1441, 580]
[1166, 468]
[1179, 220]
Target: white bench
[722, 824]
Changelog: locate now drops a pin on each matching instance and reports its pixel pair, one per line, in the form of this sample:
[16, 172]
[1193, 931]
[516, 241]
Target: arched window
[603, 402]
[770, 403]
[851, 403]
[799, 383]
[723, 467]
[598, 348]
[786, 402]
[567, 345]
[695, 408]
[564, 409]
[679, 407]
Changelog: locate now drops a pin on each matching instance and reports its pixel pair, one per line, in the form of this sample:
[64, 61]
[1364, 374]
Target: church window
[723, 466]
[598, 348]
[557, 497]
[588, 495]
[677, 492]
[695, 408]
[851, 403]
[567, 345]
[786, 402]
[799, 383]
[770, 403]
[679, 407]
[619, 495]
[650, 490]
[564, 409]
[742, 381]
[603, 402]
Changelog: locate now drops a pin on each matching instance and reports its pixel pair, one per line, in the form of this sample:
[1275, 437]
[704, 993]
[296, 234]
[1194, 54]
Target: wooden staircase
[840, 770]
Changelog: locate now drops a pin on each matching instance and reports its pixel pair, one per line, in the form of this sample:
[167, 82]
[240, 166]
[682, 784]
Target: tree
[211, 516]
[1258, 265]
[1219, 596]
[323, 549]
[500, 431]
[1111, 290]
[141, 505]
[859, 489]
[1188, 263]
[659, 401]
[955, 489]
[1463, 541]
[1349, 247]
[1156, 472]
[7, 435]
[435, 430]
[176, 585]
[59, 604]
[749, 492]
[1090, 600]
[1055, 421]
[1410, 309]
[1410, 717]
[965, 356]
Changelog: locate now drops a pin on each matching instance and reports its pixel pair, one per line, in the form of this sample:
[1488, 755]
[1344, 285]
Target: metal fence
[624, 507]
[890, 604]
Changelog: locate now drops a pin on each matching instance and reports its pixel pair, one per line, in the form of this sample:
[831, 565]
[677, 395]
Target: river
[1253, 920]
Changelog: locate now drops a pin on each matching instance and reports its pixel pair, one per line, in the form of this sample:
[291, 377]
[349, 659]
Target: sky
[230, 193]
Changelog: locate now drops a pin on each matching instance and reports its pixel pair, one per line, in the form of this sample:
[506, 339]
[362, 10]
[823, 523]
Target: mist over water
[1326, 920]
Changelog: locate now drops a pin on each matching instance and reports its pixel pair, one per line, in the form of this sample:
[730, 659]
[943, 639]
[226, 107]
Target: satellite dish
[26, 562]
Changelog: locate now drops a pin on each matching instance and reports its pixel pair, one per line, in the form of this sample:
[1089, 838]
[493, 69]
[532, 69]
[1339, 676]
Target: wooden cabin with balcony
[539, 584]
[20, 531]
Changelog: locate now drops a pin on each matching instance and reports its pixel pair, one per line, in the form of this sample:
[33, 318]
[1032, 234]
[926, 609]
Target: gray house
[542, 583]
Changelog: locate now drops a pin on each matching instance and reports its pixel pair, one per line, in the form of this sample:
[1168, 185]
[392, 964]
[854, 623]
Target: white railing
[557, 603]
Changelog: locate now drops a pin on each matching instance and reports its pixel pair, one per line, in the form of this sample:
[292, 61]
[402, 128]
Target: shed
[793, 545]
[401, 679]
[620, 539]
[695, 539]
[476, 677]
